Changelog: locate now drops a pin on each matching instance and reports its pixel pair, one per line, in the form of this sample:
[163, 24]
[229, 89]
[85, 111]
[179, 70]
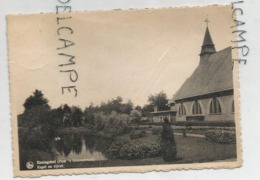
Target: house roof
[215, 75]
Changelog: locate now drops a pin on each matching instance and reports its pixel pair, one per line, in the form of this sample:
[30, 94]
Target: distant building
[158, 116]
[208, 93]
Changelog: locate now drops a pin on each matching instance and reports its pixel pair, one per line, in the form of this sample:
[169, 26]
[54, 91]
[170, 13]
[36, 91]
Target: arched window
[182, 110]
[233, 107]
[215, 107]
[196, 109]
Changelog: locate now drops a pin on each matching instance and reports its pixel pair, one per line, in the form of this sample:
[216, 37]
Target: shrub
[35, 139]
[221, 136]
[133, 150]
[226, 123]
[139, 128]
[156, 130]
[114, 124]
[136, 116]
[206, 123]
[137, 134]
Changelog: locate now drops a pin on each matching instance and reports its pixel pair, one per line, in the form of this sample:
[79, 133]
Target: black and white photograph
[124, 90]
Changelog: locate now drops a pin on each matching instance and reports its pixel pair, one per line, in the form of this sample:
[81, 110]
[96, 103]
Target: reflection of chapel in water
[208, 93]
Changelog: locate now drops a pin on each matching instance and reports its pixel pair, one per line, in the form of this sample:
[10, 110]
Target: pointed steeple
[208, 46]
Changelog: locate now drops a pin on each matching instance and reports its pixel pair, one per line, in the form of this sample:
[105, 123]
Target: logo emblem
[29, 165]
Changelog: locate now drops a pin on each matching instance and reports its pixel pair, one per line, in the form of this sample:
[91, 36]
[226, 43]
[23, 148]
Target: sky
[127, 53]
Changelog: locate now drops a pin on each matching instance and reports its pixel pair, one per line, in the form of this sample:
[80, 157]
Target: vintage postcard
[124, 91]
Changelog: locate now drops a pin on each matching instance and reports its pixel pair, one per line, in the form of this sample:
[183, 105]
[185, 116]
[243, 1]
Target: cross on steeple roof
[207, 21]
[208, 45]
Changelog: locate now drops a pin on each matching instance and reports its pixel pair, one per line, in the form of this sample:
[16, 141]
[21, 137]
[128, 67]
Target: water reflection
[78, 146]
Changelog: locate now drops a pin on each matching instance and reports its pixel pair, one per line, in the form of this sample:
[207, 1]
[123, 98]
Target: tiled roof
[214, 75]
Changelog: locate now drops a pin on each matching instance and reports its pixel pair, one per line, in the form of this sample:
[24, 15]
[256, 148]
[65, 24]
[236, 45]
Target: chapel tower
[208, 46]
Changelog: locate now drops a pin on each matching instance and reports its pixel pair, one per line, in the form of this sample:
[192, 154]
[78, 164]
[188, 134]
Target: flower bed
[156, 130]
[137, 134]
[221, 136]
[134, 149]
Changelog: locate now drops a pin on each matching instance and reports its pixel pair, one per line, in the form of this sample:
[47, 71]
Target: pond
[80, 146]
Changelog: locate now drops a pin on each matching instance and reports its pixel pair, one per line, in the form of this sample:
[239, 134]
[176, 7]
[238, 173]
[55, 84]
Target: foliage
[76, 116]
[89, 114]
[160, 100]
[221, 136]
[100, 120]
[55, 118]
[137, 134]
[138, 108]
[147, 109]
[156, 130]
[116, 110]
[168, 145]
[37, 99]
[136, 116]
[225, 123]
[135, 149]
[95, 115]
[35, 117]
[35, 139]
[116, 105]
[114, 123]
[66, 109]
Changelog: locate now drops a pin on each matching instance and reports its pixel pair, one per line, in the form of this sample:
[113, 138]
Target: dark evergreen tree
[35, 117]
[76, 116]
[37, 99]
[168, 145]
[66, 109]
[56, 117]
[89, 114]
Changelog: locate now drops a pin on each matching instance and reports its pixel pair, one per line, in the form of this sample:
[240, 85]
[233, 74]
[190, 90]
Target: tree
[116, 105]
[168, 145]
[136, 116]
[66, 109]
[89, 114]
[76, 116]
[147, 109]
[56, 117]
[35, 117]
[160, 100]
[138, 108]
[37, 99]
[126, 108]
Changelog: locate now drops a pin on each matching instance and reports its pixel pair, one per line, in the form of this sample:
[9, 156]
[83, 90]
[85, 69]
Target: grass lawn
[191, 131]
[195, 149]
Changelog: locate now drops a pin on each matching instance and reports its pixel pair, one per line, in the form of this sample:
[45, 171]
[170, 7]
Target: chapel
[207, 95]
